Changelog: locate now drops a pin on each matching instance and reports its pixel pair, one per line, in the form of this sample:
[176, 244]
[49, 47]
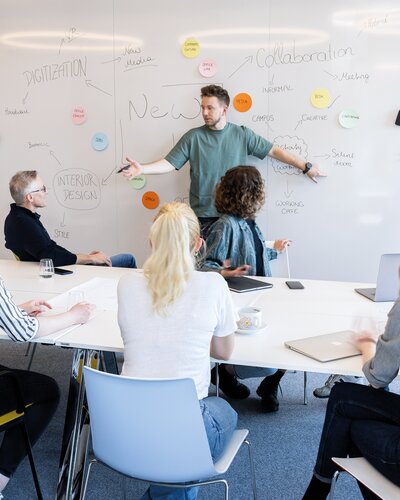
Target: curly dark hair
[240, 192]
[216, 91]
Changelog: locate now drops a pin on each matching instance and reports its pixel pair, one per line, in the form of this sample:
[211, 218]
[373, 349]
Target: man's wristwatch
[307, 167]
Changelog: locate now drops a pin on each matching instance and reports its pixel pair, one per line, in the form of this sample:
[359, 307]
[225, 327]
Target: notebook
[324, 348]
[242, 284]
[387, 284]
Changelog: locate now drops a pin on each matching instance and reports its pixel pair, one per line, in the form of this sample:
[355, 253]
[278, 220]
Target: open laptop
[324, 348]
[387, 284]
[242, 284]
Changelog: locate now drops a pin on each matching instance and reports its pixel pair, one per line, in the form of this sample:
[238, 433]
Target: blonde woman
[173, 317]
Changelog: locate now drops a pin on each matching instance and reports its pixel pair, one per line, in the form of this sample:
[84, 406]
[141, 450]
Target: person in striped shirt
[21, 324]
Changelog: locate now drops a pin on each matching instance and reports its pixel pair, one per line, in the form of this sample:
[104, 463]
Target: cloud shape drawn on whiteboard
[77, 188]
[294, 145]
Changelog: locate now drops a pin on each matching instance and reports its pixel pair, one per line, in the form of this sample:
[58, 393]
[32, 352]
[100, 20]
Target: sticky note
[208, 68]
[78, 115]
[191, 48]
[349, 118]
[150, 200]
[320, 98]
[138, 182]
[99, 141]
[242, 102]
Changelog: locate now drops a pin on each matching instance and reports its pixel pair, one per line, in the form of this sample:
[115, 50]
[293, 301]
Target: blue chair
[152, 430]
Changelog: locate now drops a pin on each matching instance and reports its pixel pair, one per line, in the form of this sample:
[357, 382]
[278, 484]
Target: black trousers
[361, 421]
[40, 390]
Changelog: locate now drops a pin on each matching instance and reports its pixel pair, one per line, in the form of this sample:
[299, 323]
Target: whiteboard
[121, 61]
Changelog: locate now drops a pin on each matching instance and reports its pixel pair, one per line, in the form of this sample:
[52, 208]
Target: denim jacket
[231, 238]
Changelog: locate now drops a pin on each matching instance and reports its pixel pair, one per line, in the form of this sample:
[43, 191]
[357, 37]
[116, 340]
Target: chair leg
[226, 488]
[333, 485]
[252, 469]
[305, 388]
[31, 461]
[86, 478]
[31, 357]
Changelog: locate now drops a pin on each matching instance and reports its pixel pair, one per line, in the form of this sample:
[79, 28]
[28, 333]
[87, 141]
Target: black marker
[124, 167]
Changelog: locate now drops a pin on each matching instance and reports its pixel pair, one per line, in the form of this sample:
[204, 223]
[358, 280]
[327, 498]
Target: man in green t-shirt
[211, 150]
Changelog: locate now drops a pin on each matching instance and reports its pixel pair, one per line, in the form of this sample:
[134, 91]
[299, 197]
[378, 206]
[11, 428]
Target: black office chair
[17, 418]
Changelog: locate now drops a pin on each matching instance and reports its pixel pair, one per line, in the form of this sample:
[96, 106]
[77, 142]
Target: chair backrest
[150, 429]
[364, 472]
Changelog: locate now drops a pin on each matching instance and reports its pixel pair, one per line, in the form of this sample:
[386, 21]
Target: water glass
[75, 297]
[46, 268]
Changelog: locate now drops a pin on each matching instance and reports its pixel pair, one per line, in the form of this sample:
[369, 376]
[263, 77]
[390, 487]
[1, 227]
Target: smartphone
[57, 270]
[295, 285]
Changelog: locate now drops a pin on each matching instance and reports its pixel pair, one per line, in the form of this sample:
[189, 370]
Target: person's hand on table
[81, 312]
[364, 340]
[100, 258]
[227, 272]
[35, 307]
[134, 170]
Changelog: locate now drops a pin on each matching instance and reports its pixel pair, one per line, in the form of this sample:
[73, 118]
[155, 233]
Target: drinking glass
[74, 297]
[46, 268]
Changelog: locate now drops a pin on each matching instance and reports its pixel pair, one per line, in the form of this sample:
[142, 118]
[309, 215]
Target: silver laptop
[328, 347]
[387, 284]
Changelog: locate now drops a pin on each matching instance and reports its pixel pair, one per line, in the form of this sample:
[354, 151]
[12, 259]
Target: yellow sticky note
[320, 98]
[191, 48]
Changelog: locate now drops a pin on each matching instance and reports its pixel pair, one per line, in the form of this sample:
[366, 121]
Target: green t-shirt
[210, 154]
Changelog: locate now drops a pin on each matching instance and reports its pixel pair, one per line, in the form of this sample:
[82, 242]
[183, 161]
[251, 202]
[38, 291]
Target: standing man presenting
[212, 149]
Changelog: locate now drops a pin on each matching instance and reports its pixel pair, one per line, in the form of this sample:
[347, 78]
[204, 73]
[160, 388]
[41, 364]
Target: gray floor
[284, 443]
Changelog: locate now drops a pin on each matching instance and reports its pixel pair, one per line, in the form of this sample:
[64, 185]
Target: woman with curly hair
[236, 246]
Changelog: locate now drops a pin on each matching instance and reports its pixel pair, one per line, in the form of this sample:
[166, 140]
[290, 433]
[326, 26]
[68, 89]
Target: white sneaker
[325, 390]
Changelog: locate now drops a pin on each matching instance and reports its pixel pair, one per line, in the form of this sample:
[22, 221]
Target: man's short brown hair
[20, 184]
[216, 91]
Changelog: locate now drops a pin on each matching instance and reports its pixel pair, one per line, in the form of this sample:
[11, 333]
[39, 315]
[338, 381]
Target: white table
[322, 307]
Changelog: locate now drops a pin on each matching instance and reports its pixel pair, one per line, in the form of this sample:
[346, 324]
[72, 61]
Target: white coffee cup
[250, 318]
[46, 268]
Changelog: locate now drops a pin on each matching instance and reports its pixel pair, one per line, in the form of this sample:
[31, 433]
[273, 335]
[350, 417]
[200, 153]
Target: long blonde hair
[173, 237]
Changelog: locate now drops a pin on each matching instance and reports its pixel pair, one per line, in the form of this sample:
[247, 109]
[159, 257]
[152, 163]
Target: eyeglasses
[41, 190]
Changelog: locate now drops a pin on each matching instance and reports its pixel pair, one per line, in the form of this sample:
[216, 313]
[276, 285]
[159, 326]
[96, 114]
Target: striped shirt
[16, 322]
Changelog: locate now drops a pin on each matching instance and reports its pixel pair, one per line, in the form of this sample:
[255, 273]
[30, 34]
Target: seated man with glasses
[28, 239]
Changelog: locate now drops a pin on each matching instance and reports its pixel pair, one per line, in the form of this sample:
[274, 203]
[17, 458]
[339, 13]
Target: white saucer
[250, 332]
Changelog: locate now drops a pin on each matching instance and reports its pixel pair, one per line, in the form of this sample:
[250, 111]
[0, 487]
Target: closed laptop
[328, 347]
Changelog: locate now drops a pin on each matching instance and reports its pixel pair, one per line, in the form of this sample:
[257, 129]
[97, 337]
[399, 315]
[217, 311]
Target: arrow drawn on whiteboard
[25, 98]
[117, 59]
[330, 74]
[62, 223]
[288, 193]
[246, 60]
[51, 153]
[89, 84]
[333, 102]
[325, 156]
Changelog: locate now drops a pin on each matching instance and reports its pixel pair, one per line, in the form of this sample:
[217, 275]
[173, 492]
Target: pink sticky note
[208, 68]
[78, 115]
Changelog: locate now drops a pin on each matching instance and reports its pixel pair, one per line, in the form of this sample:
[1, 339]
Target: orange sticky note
[150, 200]
[242, 102]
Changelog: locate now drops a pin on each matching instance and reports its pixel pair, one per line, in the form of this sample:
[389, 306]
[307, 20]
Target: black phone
[295, 285]
[58, 270]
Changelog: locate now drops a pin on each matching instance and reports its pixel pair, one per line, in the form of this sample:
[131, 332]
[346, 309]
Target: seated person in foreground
[364, 420]
[172, 318]
[235, 246]
[26, 236]
[22, 323]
